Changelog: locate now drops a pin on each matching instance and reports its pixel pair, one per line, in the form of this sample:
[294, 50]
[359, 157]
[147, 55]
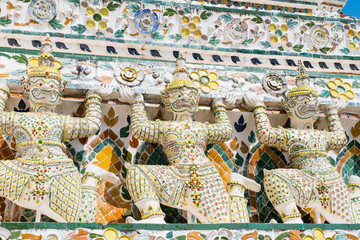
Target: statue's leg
[144, 196]
[214, 204]
[281, 197]
[238, 203]
[91, 181]
[89, 190]
[332, 199]
[16, 188]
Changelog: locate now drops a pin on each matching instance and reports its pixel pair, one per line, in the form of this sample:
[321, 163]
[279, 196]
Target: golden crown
[303, 85]
[181, 83]
[46, 65]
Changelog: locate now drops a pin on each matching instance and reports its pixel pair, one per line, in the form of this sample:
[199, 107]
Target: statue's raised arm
[141, 127]
[8, 119]
[273, 137]
[220, 131]
[79, 127]
[337, 137]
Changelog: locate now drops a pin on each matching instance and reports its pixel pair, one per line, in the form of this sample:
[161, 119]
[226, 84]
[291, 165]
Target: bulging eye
[179, 96]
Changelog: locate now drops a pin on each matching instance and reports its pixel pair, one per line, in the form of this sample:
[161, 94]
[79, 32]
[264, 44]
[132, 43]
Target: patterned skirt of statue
[58, 180]
[308, 185]
[171, 185]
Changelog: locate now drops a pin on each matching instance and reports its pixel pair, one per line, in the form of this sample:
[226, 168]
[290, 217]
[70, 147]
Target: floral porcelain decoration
[319, 37]
[340, 89]
[274, 84]
[129, 74]
[237, 30]
[42, 10]
[146, 21]
[204, 80]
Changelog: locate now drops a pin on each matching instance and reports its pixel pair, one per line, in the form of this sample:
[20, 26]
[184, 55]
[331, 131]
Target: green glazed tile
[261, 226]
[121, 226]
[20, 225]
[287, 226]
[234, 225]
[149, 226]
[75, 225]
[40, 225]
[313, 225]
[56, 225]
[206, 226]
[338, 226]
[349, 226]
[177, 227]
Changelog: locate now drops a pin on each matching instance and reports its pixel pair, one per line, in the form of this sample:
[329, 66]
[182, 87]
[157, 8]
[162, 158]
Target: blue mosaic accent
[151, 23]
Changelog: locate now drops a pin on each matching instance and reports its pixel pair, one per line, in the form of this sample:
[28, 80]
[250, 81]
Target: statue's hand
[3, 84]
[104, 92]
[337, 107]
[251, 100]
[228, 101]
[128, 96]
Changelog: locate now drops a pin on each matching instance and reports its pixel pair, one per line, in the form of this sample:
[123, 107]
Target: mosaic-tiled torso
[307, 149]
[184, 143]
[39, 136]
[41, 169]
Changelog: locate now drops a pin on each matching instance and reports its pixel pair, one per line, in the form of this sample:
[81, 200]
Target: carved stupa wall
[230, 46]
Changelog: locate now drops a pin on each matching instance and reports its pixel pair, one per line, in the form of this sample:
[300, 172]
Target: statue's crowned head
[301, 102]
[44, 85]
[181, 95]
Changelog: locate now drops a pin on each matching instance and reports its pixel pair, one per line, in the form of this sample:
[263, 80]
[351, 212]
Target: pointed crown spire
[45, 65]
[181, 76]
[303, 84]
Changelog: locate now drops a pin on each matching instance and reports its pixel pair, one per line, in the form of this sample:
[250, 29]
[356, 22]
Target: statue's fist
[228, 101]
[3, 84]
[251, 100]
[128, 96]
[337, 107]
[104, 91]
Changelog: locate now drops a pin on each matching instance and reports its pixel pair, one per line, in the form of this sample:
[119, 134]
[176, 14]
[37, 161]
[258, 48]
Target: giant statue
[42, 177]
[311, 181]
[191, 182]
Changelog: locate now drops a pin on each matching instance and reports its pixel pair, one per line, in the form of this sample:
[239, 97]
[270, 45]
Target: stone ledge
[178, 227]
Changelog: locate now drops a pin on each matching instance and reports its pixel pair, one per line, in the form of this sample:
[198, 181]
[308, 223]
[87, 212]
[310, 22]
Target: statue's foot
[4, 233]
[249, 183]
[151, 220]
[105, 175]
[354, 179]
[294, 220]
